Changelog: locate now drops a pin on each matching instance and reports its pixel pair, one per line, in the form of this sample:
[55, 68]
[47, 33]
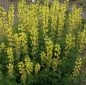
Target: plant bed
[45, 45]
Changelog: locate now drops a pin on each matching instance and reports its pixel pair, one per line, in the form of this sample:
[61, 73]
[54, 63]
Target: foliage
[44, 46]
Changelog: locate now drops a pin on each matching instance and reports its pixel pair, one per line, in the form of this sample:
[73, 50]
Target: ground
[6, 3]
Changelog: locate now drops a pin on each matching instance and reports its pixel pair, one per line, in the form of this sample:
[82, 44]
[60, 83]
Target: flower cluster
[22, 72]
[37, 68]
[28, 65]
[57, 51]
[49, 49]
[20, 43]
[10, 65]
[70, 41]
[2, 46]
[74, 19]
[11, 16]
[77, 67]
[82, 39]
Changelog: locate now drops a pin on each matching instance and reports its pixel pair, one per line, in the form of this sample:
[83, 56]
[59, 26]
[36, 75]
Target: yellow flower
[57, 50]
[22, 71]
[77, 67]
[70, 41]
[2, 46]
[28, 65]
[11, 15]
[37, 68]
[10, 69]
[10, 54]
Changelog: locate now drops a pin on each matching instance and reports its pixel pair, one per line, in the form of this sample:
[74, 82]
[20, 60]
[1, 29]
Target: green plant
[44, 47]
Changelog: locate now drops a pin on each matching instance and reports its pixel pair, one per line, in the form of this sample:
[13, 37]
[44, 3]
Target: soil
[7, 3]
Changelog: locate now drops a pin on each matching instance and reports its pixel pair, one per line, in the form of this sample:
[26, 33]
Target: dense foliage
[42, 45]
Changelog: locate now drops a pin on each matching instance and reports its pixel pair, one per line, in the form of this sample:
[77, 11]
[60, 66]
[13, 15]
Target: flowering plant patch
[43, 46]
